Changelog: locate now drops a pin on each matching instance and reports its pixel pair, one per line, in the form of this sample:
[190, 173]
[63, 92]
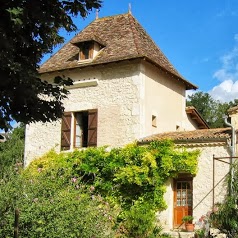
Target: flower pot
[189, 227]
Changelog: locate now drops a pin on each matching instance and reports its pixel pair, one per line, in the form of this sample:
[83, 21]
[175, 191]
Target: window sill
[83, 61]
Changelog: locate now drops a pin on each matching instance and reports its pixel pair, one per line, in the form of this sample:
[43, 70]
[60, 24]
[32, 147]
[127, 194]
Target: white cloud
[227, 90]
[190, 93]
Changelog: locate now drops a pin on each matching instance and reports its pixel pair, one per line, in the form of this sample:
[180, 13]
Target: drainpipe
[232, 147]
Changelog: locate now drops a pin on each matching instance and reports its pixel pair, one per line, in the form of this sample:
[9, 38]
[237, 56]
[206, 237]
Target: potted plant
[188, 220]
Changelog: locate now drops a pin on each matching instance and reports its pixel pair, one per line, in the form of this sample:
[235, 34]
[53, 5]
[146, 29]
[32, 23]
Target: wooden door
[183, 200]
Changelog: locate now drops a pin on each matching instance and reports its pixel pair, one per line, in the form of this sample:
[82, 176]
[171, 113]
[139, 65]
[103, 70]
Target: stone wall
[202, 184]
[116, 96]
[126, 95]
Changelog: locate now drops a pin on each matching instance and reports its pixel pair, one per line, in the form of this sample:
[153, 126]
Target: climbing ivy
[129, 180]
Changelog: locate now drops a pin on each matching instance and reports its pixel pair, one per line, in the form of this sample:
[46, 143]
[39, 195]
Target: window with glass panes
[184, 193]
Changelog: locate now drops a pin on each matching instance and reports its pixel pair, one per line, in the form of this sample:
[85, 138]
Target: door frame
[186, 210]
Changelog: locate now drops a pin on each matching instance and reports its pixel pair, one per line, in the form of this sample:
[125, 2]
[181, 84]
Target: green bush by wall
[93, 192]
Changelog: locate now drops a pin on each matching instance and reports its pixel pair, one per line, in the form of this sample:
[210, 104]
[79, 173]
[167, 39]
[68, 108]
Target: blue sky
[199, 37]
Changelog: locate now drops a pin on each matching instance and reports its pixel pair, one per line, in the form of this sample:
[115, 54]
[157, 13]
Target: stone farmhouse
[124, 90]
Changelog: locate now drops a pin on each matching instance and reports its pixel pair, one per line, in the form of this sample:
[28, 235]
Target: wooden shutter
[66, 131]
[92, 127]
[82, 54]
[91, 50]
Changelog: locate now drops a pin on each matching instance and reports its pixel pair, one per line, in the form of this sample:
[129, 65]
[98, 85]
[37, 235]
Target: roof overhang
[88, 39]
[187, 84]
[197, 117]
[92, 64]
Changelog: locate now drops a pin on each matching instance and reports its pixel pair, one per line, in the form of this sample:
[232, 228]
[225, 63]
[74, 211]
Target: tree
[211, 110]
[12, 151]
[30, 29]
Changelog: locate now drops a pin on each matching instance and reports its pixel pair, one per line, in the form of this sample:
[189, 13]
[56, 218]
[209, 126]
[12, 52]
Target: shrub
[140, 220]
[90, 193]
[225, 217]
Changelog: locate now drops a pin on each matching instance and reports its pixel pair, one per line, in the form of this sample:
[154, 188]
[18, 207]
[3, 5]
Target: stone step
[180, 234]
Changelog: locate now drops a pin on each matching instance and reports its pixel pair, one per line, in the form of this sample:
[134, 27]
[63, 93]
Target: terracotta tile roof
[123, 38]
[195, 136]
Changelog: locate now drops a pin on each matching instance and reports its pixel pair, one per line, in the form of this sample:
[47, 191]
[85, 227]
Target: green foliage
[187, 219]
[30, 29]
[52, 204]
[140, 220]
[12, 151]
[165, 235]
[46, 212]
[95, 191]
[226, 217]
[64, 213]
[211, 110]
[200, 233]
[10, 192]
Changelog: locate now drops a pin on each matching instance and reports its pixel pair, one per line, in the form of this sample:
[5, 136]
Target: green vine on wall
[131, 179]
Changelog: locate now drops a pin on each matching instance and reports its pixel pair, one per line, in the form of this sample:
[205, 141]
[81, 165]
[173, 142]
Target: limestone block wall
[203, 182]
[202, 185]
[126, 95]
[165, 217]
[117, 98]
[40, 138]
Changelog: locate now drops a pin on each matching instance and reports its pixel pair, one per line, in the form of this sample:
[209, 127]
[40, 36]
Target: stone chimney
[233, 114]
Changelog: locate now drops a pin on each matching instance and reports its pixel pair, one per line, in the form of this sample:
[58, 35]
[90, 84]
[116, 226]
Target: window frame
[154, 121]
[68, 129]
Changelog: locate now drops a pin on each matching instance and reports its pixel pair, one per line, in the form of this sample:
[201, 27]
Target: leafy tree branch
[30, 29]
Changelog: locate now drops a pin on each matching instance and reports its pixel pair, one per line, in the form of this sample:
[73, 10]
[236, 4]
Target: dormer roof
[122, 38]
[94, 38]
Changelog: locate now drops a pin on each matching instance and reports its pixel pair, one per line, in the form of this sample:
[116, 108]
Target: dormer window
[86, 50]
